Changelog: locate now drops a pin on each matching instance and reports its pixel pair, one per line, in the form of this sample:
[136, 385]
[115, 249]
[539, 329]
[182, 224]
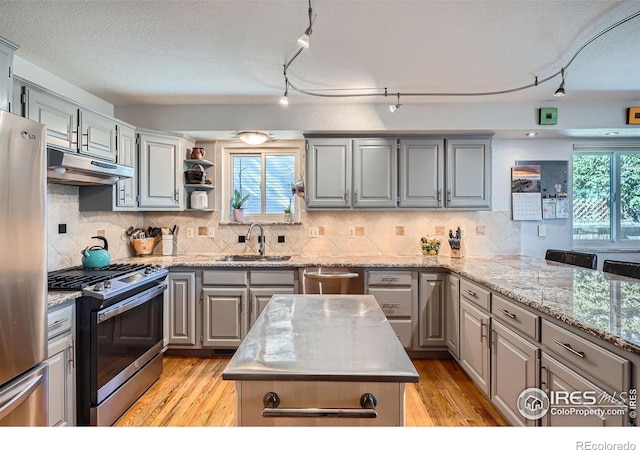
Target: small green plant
[238, 201]
[287, 209]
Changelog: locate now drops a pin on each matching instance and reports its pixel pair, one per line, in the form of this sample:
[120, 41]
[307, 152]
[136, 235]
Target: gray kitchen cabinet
[474, 344]
[514, 368]
[431, 310]
[558, 377]
[452, 316]
[224, 324]
[61, 362]
[59, 116]
[98, 135]
[233, 300]
[375, 173]
[329, 173]
[7, 49]
[396, 292]
[127, 189]
[468, 173]
[181, 312]
[421, 173]
[160, 172]
[351, 173]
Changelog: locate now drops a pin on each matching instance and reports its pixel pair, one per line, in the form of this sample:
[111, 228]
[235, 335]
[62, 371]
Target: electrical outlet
[352, 232]
[463, 232]
[314, 232]
[211, 233]
[542, 230]
[189, 232]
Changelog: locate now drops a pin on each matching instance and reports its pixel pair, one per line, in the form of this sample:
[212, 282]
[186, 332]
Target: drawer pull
[57, 323]
[390, 279]
[508, 314]
[471, 293]
[368, 402]
[568, 347]
[390, 305]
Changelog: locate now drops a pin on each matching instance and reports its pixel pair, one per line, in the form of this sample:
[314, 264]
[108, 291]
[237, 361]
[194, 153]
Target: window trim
[229, 148]
[613, 244]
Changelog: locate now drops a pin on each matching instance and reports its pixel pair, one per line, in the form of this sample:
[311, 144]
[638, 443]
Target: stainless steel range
[119, 336]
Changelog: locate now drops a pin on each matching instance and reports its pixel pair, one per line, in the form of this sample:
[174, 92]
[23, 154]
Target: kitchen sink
[254, 258]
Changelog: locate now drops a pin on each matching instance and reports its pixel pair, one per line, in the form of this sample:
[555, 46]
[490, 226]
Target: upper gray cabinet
[60, 117]
[468, 173]
[421, 173]
[98, 137]
[127, 189]
[412, 172]
[351, 173]
[7, 48]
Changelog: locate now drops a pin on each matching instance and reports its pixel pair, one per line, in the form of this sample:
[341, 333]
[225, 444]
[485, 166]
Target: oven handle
[131, 303]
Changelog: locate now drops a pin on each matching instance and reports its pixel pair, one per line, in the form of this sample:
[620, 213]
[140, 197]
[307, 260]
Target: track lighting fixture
[378, 92]
[393, 108]
[560, 91]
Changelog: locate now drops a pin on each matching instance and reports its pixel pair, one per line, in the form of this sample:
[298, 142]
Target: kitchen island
[330, 360]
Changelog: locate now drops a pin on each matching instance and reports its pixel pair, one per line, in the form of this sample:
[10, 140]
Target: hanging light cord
[318, 93]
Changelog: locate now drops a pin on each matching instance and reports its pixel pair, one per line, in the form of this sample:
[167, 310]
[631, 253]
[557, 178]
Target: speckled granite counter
[321, 338]
[603, 305]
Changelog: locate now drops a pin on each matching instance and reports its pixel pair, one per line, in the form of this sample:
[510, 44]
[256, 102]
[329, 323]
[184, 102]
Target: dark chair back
[581, 259]
[625, 268]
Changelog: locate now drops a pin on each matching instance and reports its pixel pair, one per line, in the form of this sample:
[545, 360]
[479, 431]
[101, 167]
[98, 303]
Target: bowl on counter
[143, 246]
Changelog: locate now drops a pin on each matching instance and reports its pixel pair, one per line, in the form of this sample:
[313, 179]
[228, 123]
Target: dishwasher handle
[368, 403]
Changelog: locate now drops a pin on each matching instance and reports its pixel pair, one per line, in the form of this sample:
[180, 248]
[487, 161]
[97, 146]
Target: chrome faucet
[261, 240]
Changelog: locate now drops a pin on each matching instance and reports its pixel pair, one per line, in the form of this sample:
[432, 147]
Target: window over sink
[264, 173]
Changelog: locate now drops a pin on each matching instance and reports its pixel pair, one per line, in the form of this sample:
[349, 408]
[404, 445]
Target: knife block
[457, 248]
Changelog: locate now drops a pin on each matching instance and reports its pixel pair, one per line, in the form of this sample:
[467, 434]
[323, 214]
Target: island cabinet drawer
[597, 361]
[515, 316]
[475, 294]
[395, 302]
[385, 278]
[271, 277]
[59, 321]
[225, 277]
[404, 330]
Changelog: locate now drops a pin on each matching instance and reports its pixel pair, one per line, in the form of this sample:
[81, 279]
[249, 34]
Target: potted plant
[287, 213]
[237, 202]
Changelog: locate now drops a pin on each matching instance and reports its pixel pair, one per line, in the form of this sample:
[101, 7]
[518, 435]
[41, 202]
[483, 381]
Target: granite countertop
[604, 305]
[321, 338]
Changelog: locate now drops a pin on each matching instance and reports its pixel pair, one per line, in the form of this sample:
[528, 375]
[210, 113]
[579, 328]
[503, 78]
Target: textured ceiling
[200, 52]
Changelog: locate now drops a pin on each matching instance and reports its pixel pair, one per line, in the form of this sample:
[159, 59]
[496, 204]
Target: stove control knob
[98, 287]
[147, 270]
[107, 284]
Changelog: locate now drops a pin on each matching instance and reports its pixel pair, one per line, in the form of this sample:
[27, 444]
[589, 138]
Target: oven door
[129, 335]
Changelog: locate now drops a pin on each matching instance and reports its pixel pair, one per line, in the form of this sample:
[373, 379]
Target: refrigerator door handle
[11, 399]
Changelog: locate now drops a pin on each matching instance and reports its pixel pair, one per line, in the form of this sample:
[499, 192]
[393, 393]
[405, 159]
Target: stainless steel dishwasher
[331, 280]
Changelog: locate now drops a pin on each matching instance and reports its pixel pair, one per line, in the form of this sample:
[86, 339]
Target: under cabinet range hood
[81, 170]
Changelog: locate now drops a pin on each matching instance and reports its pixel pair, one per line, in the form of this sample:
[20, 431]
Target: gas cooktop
[77, 278]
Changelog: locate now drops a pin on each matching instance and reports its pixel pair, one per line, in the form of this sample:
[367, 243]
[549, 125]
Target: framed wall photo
[634, 116]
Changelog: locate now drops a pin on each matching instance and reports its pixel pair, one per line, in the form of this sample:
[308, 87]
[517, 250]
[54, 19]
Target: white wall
[28, 71]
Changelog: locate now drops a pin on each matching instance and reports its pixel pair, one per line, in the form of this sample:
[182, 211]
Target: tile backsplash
[352, 232]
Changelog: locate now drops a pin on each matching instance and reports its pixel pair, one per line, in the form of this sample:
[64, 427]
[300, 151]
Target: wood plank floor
[191, 392]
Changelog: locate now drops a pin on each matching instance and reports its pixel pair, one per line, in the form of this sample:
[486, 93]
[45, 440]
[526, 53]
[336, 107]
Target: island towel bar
[368, 402]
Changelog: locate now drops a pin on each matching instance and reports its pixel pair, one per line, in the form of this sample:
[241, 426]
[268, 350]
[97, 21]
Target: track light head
[303, 41]
[560, 91]
[284, 100]
[393, 108]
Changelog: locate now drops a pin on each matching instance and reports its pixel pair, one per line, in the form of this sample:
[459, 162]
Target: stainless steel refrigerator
[23, 272]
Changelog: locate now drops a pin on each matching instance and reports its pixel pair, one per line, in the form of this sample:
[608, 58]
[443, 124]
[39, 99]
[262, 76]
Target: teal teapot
[96, 256]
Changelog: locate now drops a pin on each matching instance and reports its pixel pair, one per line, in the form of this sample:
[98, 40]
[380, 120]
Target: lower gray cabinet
[474, 345]
[61, 362]
[557, 377]
[452, 316]
[223, 323]
[514, 368]
[180, 312]
[431, 310]
[259, 298]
